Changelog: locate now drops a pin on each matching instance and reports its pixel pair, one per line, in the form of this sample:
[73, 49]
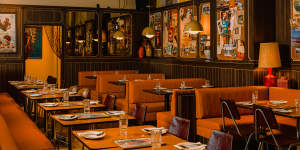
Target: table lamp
[269, 57]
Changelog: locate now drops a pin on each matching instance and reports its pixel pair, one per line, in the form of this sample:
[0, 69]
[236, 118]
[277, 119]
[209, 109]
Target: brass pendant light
[119, 35]
[148, 32]
[193, 27]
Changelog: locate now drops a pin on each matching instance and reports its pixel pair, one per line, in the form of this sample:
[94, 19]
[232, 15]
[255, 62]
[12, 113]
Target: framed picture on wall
[170, 33]
[33, 42]
[7, 33]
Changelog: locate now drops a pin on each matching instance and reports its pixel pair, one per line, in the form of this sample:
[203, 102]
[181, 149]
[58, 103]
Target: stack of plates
[92, 135]
[148, 130]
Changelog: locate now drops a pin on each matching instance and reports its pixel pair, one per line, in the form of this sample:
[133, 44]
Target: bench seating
[83, 82]
[17, 130]
[155, 103]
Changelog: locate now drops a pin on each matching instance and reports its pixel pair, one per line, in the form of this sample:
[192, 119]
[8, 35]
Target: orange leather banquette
[17, 130]
[155, 103]
[84, 82]
[103, 86]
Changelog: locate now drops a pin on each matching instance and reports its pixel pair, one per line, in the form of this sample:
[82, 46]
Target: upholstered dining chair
[51, 80]
[180, 127]
[265, 122]
[139, 112]
[229, 110]
[84, 92]
[219, 141]
[109, 102]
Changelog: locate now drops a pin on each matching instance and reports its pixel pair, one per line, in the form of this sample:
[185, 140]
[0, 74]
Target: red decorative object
[141, 52]
[283, 82]
[270, 79]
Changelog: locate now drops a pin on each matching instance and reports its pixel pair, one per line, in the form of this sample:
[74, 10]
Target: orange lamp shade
[269, 56]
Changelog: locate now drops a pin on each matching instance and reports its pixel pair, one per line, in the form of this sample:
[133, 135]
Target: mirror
[111, 23]
[81, 33]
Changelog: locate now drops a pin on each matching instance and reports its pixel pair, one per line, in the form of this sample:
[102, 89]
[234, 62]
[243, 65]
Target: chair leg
[248, 141]
[260, 145]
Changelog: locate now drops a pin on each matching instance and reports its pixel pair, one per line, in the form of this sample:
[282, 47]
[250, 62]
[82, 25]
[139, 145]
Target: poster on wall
[170, 33]
[188, 42]
[33, 42]
[204, 42]
[231, 29]
[8, 33]
[295, 29]
[156, 25]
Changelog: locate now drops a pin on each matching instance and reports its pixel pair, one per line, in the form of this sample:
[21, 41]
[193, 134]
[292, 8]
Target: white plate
[35, 95]
[148, 130]
[114, 113]
[92, 135]
[49, 104]
[186, 87]
[278, 102]
[62, 89]
[207, 86]
[93, 102]
[67, 117]
[190, 146]
[71, 93]
[161, 88]
[245, 103]
[29, 91]
[283, 110]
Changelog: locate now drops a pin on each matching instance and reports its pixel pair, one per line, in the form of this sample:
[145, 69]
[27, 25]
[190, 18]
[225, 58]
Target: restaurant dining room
[149, 75]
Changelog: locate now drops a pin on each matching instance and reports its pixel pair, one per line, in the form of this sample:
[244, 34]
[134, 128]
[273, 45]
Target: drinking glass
[157, 85]
[149, 77]
[66, 96]
[156, 138]
[297, 105]
[123, 124]
[254, 96]
[207, 82]
[52, 89]
[86, 106]
[124, 78]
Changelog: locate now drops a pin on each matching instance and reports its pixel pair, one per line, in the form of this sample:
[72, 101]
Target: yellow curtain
[54, 35]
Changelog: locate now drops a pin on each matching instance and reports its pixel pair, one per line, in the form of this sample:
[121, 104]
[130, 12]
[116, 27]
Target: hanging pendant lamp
[148, 32]
[193, 27]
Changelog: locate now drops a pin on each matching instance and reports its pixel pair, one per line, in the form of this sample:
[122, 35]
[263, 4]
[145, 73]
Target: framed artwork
[155, 23]
[231, 30]
[8, 33]
[204, 42]
[188, 42]
[295, 29]
[33, 42]
[170, 33]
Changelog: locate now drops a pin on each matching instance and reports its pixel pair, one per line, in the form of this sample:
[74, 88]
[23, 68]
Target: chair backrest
[109, 101]
[219, 141]
[139, 113]
[229, 110]
[51, 80]
[264, 117]
[180, 127]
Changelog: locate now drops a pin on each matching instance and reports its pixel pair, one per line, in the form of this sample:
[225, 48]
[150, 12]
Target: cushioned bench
[103, 86]
[22, 132]
[155, 103]
[83, 82]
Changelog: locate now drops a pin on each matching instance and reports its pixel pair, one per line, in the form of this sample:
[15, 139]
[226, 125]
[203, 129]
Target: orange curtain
[54, 35]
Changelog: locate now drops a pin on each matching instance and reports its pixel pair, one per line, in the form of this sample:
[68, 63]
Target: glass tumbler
[86, 106]
[297, 105]
[123, 124]
[156, 138]
[254, 96]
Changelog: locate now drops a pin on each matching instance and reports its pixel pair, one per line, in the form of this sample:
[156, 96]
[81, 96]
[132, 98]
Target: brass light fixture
[193, 27]
[148, 32]
[119, 35]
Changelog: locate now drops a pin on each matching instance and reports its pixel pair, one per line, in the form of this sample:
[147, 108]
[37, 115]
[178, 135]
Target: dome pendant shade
[193, 27]
[148, 32]
[119, 35]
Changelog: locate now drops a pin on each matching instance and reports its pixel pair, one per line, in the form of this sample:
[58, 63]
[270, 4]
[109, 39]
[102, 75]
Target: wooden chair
[219, 141]
[139, 113]
[180, 127]
[109, 102]
[265, 122]
[51, 80]
[229, 110]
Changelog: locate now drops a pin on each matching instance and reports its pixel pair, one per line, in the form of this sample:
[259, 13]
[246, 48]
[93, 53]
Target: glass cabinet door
[204, 41]
[170, 33]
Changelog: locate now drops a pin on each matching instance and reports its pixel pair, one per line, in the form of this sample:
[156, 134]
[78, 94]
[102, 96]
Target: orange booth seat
[17, 130]
[84, 82]
[103, 86]
[155, 103]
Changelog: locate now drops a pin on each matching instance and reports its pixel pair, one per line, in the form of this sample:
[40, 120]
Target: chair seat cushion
[286, 121]
[7, 140]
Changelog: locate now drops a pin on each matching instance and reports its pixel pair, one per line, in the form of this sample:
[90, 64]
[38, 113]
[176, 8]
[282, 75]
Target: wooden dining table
[72, 105]
[133, 132]
[266, 103]
[69, 124]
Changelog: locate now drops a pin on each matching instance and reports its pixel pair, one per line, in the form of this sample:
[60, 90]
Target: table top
[91, 77]
[70, 107]
[133, 132]
[159, 91]
[87, 121]
[266, 103]
[57, 94]
[23, 85]
[118, 82]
